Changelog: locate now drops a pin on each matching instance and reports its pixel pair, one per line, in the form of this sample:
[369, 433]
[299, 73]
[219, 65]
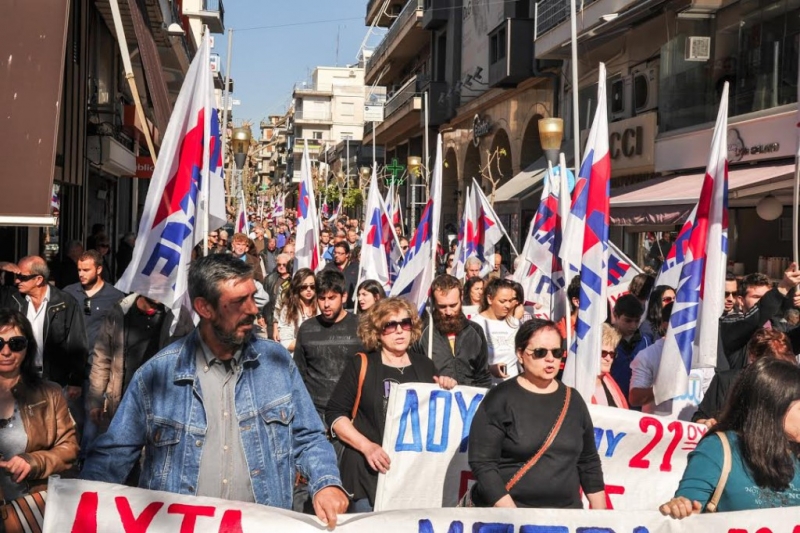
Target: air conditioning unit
[645, 88]
[698, 48]
[620, 98]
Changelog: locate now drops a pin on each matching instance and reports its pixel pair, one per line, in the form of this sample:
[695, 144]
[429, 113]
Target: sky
[277, 43]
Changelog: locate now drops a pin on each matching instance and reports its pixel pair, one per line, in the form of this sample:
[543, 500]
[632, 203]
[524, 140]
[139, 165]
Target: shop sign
[738, 150]
[144, 167]
[631, 144]
[480, 128]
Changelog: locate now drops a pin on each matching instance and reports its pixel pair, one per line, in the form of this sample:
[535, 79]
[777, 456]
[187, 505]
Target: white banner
[426, 435]
[90, 507]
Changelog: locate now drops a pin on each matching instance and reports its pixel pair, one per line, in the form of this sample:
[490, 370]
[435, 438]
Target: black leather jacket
[65, 346]
[470, 364]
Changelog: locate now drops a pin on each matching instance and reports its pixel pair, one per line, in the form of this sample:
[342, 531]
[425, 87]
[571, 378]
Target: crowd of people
[278, 395]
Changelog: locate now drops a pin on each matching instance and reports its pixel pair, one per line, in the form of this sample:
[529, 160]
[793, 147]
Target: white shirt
[37, 319]
[500, 342]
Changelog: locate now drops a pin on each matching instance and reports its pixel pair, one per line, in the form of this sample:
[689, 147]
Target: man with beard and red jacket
[459, 345]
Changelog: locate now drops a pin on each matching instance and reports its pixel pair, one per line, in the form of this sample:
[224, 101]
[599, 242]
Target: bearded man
[221, 413]
[460, 350]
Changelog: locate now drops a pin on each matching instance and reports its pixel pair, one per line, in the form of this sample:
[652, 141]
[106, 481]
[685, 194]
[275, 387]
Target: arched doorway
[531, 148]
[472, 164]
[450, 193]
[502, 167]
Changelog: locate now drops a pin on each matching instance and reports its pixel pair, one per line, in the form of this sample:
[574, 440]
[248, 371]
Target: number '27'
[640, 459]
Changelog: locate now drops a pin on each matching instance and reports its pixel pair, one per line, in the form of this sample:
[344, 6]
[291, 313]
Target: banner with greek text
[426, 437]
[90, 507]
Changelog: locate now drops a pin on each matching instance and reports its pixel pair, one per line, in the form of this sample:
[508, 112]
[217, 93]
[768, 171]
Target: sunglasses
[307, 286]
[391, 326]
[281, 264]
[15, 344]
[541, 353]
[25, 277]
[667, 299]
[608, 353]
[728, 294]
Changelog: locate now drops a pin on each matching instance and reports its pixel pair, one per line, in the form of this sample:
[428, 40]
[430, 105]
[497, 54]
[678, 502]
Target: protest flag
[591, 203]
[241, 216]
[416, 276]
[307, 246]
[489, 229]
[693, 330]
[466, 247]
[374, 263]
[186, 190]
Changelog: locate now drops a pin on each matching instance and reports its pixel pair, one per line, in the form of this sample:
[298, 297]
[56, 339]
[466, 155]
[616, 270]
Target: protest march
[373, 352]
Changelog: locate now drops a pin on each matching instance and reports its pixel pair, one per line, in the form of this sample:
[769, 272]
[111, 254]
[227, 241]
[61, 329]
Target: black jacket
[735, 332]
[469, 365]
[717, 394]
[65, 347]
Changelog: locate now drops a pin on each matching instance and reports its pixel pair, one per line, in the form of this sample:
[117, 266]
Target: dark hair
[519, 291]
[325, 230]
[574, 290]
[344, 246]
[92, 255]
[770, 343]
[756, 279]
[206, 273]
[491, 289]
[666, 313]
[755, 410]
[12, 318]
[529, 328]
[372, 287]
[330, 281]
[468, 287]
[445, 283]
[641, 285]
[290, 299]
[729, 276]
[655, 305]
[628, 305]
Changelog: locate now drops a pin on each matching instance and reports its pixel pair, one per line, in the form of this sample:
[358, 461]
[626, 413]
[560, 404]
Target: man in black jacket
[459, 345]
[349, 269]
[57, 321]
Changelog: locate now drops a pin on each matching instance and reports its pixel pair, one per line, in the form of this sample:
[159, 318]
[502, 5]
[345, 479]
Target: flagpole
[562, 161]
[795, 214]
[494, 214]
[224, 129]
[576, 137]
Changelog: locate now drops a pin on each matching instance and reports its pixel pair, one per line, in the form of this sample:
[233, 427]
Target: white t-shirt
[470, 311]
[500, 340]
[643, 375]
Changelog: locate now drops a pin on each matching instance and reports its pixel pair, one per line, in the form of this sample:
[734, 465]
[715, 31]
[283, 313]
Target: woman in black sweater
[386, 330]
[513, 422]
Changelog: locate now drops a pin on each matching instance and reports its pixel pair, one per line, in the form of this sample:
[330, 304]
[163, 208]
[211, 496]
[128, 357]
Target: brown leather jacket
[52, 441]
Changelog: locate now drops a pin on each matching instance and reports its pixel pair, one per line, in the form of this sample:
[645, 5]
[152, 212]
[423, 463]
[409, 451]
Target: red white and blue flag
[241, 215]
[416, 276]
[591, 204]
[307, 247]
[278, 206]
[467, 247]
[693, 330]
[374, 263]
[186, 189]
[621, 271]
[391, 244]
[488, 229]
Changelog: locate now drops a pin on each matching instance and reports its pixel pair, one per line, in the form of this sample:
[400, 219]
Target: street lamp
[414, 163]
[240, 142]
[366, 172]
[551, 133]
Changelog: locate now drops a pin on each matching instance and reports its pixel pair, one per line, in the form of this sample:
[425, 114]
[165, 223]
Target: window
[348, 109]
[497, 46]
[317, 135]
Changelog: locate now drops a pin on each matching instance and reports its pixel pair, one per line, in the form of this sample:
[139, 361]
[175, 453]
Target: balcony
[209, 12]
[404, 40]
[401, 116]
[510, 53]
[436, 14]
[314, 146]
[385, 18]
[313, 117]
[440, 106]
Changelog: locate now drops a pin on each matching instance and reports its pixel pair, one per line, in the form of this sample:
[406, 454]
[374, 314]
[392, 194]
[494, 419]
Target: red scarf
[616, 393]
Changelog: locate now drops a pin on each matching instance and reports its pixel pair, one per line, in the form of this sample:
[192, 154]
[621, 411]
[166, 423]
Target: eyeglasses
[391, 326]
[667, 299]
[541, 353]
[284, 265]
[15, 344]
[87, 307]
[728, 294]
[307, 286]
[608, 353]
[25, 277]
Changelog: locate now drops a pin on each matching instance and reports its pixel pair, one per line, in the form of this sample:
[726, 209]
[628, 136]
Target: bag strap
[550, 438]
[711, 506]
[361, 375]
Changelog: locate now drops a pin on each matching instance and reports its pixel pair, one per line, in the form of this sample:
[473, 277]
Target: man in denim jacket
[221, 413]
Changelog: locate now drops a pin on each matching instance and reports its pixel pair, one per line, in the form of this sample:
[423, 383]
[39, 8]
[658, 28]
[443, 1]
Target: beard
[449, 324]
[231, 337]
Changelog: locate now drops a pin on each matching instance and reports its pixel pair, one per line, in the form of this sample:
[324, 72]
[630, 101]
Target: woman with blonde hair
[387, 329]
[607, 392]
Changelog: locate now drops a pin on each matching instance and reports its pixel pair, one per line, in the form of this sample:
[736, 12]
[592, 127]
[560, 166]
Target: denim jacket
[162, 411]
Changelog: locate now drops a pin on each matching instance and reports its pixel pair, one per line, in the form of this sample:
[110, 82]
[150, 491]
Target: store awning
[33, 42]
[669, 200]
[523, 184]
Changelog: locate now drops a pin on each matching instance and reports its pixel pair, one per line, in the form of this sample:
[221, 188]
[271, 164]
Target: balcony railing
[409, 11]
[212, 13]
[401, 97]
[551, 13]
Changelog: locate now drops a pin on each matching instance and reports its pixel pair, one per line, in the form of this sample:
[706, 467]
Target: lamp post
[240, 144]
[551, 133]
[414, 164]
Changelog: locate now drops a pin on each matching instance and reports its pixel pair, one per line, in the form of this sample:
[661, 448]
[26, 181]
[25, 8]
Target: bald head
[33, 275]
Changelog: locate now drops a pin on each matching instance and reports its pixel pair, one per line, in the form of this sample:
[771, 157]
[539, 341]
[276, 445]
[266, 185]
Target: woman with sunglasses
[532, 415]
[650, 328]
[297, 304]
[607, 392]
[37, 433]
[387, 330]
